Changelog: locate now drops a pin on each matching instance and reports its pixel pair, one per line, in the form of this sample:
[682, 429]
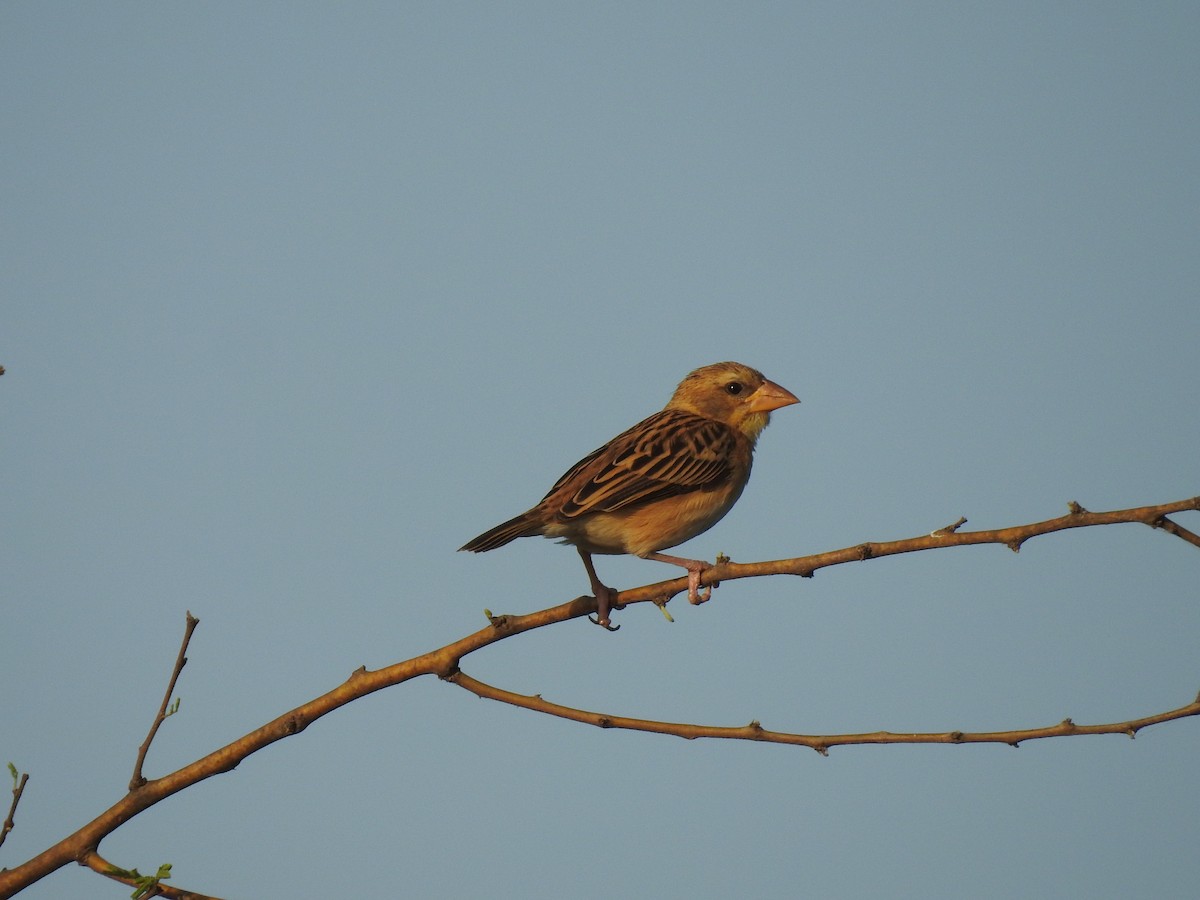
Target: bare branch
[444, 663]
[949, 536]
[180, 661]
[819, 742]
[17, 790]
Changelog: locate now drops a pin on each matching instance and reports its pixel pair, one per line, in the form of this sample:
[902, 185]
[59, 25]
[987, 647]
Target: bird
[667, 479]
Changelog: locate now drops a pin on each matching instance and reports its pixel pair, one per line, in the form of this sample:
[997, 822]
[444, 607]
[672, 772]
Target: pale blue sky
[297, 298]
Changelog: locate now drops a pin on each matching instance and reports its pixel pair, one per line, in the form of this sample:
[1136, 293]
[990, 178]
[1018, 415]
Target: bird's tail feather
[521, 526]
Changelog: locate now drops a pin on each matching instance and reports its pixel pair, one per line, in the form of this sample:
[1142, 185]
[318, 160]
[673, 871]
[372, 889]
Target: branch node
[1015, 544]
[822, 749]
[604, 722]
[956, 737]
[496, 621]
[865, 551]
[1075, 508]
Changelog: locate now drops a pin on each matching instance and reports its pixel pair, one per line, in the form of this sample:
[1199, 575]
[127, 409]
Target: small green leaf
[147, 883]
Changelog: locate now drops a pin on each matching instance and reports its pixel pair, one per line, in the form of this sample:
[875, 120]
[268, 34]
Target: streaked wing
[670, 453]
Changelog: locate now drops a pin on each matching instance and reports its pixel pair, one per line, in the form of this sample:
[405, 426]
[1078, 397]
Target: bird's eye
[734, 387]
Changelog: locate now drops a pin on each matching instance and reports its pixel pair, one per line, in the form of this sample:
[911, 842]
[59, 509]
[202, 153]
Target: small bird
[667, 479]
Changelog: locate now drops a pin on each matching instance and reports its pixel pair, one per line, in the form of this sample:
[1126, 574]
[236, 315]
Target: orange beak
[771, 396]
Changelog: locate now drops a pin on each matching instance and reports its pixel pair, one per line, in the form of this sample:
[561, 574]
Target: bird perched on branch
[669, 478]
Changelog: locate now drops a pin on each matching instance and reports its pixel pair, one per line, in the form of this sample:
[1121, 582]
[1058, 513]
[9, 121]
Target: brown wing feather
[670, 453]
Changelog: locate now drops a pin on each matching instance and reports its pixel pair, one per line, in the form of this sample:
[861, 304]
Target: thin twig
[97, 863]
[180, 661]
[17, 791]
[819, 742]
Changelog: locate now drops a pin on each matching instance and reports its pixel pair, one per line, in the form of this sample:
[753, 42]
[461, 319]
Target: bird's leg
[605, 596]
[694, 568]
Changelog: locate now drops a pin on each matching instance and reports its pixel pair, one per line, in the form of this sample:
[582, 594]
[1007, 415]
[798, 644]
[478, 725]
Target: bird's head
[734, 394]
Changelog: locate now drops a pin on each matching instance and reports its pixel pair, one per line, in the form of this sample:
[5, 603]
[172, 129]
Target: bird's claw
[603, 623]
[606, 601]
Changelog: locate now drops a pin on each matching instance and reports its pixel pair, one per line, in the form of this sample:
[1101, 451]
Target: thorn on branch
[822, 749]
[950, 529]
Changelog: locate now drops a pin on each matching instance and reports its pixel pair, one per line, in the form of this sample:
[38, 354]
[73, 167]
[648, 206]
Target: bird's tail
[523, 525]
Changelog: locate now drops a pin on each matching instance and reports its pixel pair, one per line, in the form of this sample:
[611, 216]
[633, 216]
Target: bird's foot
[606, 597]
[695, 567]
[694, 596]
[606, 600]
